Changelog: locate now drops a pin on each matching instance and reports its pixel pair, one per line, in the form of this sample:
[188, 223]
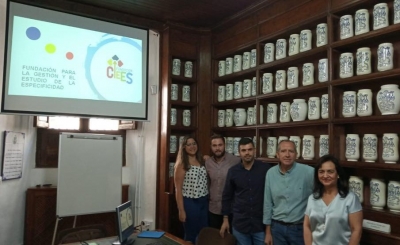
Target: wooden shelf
[296, 91]
[236, 76]
[373, 166]
[236, 102]
[372, 77]
[182, 79]
[306, 123]
[182, 104]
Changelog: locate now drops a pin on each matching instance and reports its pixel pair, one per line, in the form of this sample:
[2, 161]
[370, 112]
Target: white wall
[141, 159]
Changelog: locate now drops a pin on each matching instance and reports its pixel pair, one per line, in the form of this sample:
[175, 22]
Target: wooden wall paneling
[303, 14]
[277, 8]
[40, 216]
[235, 43]
[234, 28]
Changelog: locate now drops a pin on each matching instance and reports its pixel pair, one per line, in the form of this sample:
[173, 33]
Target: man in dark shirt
[244, 197]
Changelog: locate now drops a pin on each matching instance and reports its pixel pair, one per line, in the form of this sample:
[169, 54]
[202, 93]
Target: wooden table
[167, 237]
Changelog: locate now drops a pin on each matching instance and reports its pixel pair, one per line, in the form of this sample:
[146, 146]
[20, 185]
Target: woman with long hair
[333, 214]
[191, 191]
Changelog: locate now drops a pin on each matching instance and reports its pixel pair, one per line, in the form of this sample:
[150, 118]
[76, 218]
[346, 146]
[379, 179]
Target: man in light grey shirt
[217, 168]
[287, 188]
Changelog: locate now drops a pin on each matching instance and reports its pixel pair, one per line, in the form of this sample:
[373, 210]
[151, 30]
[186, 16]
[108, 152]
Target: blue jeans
[249, 239]
[287, 234]
[196, 216]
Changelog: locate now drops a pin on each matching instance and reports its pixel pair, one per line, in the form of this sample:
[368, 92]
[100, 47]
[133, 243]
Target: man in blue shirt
[287, 188]
[243, 196]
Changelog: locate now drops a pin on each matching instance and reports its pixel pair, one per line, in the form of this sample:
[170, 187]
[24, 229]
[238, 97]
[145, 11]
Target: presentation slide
[54, 60]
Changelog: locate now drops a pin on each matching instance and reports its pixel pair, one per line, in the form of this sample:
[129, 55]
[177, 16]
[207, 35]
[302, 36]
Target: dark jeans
[287, 234]
[196, 217]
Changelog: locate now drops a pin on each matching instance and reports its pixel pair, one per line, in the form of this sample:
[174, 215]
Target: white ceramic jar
[308, 74]
[352, 147]
[346, 65]
[186, 93]
[253, 58]
[356, 185]
[174, 91]
[390, 151]
[297, 142]
[229, 145]
[323, 70]
[381, 16]
[280, 49]
[388, 99]
[305, 40]
[221, 93]
[176, 67]
[324, 106]
[229, 117]
[284, 115]
[396, 11]
[280, 80]
[308, 147]
[314, 108]
[280, 138]
[240, 117]
[254, 86]
[370, 147]
[267, 83]
[188, 69]
[298, 110]
[349, 104]
[364, 102]
[271, 146]
[172, 143]
[377, 193]
[272, 113]
[385, 57]
[238, 90]
[393, 199]
[173, 119]
[221, 68]
[323, 145]
[269, 51]
[294, 46]
[186, 119]
[229, 91]
[322, 34]
[237, 63]
[236, 146]
[246, 61]
[228, 65]
[246, 88]
[221, 118]
[363, 61]
[361, 19]
[292, 77]
[250, 116]
[346, 26]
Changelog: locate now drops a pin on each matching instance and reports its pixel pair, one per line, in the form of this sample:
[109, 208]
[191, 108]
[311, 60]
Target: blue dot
[33, 33]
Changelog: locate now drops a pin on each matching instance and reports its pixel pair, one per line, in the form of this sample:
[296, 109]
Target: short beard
[221, 155]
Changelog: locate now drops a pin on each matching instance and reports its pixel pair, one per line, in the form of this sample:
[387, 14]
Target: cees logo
[115, 70]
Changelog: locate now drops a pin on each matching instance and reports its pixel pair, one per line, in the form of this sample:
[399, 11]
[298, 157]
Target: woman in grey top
[333, 214]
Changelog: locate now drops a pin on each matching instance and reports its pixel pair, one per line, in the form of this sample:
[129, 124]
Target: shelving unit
[336, 126]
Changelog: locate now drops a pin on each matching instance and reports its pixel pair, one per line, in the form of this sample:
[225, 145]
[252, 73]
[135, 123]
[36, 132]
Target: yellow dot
[50, 48]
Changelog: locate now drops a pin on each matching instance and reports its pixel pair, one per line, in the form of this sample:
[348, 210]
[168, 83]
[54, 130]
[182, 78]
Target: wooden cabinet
[186, 45]
[273, 22]
[40, 216]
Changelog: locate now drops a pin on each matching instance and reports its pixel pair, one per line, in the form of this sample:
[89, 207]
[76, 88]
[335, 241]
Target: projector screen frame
[69, 108]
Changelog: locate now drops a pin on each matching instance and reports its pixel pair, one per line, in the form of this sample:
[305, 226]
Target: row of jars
[363, 65]
[238, 90]
[176, 68]
[239, 117]
[361, 18]
[305, 147]
[360, 103]
[297, 43]
[390, 147]
[185, 92]
[377, 189]
[237, 63]
[186, 117]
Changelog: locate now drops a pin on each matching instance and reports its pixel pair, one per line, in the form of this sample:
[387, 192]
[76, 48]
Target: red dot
[70, 55]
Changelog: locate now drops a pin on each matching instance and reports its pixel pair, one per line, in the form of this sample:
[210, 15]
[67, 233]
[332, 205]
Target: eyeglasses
[191, 144]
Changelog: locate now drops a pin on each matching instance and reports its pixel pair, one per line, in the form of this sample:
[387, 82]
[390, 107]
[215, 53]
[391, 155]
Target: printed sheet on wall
[13, 155]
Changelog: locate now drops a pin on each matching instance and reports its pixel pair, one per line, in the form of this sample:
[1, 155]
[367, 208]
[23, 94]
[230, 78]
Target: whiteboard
[89, 173]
